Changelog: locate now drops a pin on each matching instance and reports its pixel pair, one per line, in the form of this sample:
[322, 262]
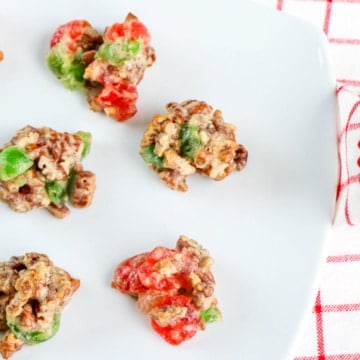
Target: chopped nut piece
[84, 188]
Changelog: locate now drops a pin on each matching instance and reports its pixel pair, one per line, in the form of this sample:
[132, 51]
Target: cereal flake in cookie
[108, 67]
[33, 293]
[191, 138]
[41, 168]
[174, 287]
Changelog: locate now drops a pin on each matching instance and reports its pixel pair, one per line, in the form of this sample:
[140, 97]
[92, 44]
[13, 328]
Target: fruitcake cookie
[41, 168]
[191, 138]
[108, 67]
[33, 292]
[175, 287]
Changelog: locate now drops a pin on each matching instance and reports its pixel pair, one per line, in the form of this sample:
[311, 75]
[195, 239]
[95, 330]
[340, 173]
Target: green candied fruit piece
[66, 66]
[71, 180]
[117, 53]
[150, 157]
[190, 141]
[13, 162]
[86, 139]
[133, 47]
[210, 314]
[55, 62]
[73, 77]
[32, 337]
[56, 192]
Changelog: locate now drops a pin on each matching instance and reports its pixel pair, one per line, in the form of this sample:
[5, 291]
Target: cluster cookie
[108, 66]
[174, 287]
[191, 138]
[33, 293]
[41, 168]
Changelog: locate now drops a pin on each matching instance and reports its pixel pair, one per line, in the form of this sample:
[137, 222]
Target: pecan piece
[84, 188]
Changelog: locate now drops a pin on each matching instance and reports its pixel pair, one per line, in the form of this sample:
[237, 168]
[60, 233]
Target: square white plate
[265, 226]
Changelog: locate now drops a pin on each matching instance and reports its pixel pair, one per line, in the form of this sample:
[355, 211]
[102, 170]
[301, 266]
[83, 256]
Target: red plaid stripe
[343, 258]
[331, 357]
[320, 309]
[319, 327]
[333, 331]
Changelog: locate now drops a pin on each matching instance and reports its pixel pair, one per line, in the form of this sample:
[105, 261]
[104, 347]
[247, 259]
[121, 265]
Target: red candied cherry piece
[115, 31]
[139, 31]
[119, 100]
[126, 277]
[181, 329]
[166, 270]
[142, 273]
[149, 275]
[130, 29]
[74, 29]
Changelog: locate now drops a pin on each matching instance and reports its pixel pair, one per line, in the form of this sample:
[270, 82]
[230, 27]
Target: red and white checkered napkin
[332, 331]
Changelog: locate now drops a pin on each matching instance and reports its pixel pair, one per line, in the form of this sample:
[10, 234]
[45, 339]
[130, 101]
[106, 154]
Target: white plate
[265, 226]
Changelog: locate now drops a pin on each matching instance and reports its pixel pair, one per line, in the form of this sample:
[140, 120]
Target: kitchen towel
[332, 330]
